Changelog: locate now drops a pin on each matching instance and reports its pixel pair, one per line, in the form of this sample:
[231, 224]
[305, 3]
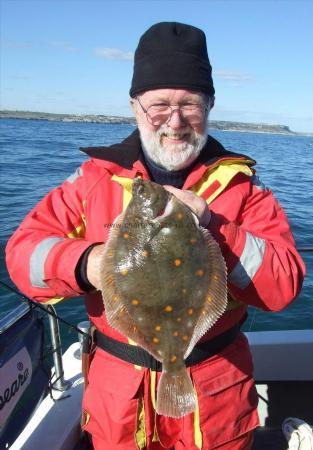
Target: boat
[40, 401]
[40, 405]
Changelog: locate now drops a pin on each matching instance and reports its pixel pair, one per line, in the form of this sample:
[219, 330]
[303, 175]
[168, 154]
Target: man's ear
[132, 102]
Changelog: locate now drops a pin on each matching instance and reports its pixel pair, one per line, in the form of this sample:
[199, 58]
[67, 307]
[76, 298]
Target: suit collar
[128, 154]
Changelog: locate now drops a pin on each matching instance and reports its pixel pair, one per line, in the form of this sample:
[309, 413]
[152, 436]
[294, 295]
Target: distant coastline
[108, 119]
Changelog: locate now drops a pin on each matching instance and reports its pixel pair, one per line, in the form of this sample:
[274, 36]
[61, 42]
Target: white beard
[178, 156]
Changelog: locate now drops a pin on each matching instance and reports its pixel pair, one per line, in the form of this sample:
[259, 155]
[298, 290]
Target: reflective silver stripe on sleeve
[249, 263]
[38, 259]
[78, 173]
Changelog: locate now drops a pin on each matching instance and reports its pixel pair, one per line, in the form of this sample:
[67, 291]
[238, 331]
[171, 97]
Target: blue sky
[70, 56]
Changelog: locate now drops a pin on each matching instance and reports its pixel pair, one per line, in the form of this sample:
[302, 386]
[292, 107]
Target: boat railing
[56, 347]
[82, 329]
[56, 350]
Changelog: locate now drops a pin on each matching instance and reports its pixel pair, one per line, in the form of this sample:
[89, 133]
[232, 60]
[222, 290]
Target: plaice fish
[163, 286]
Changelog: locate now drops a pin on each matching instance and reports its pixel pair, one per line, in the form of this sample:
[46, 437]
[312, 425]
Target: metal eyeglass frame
[205, 108]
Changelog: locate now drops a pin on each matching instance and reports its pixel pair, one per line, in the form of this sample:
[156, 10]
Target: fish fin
[175, 394]
[216, 301]
[110, 294]
[116, 312]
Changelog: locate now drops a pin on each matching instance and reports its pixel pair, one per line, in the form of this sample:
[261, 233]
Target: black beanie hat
[172, 55]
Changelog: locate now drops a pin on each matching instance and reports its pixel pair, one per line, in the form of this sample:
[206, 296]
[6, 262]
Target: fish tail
[175, 395]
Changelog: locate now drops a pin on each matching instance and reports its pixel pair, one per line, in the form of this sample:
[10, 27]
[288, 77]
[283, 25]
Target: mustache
[166, 131]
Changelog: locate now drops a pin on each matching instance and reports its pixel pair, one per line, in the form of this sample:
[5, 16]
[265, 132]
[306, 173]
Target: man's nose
[177, 120]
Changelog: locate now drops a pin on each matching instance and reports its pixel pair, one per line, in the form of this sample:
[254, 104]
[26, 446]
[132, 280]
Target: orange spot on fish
[145, 253]
[124, 272]
[179, 216]
[168, 308]
[184, 291]
[215, 277]
[177, 262]
[157, 327]
[126, 235]
[173, 358]
[190, 311]
[175, 333]
[185, 338]
[115, 298]
[155, 340]
[209, 299]
[110, 253]
[135, 302]
[178, 319]
[110, 280]
[193, 241]
[200, 273]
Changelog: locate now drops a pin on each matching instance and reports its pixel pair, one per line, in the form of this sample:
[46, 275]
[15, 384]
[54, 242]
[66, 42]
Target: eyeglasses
[193, 113]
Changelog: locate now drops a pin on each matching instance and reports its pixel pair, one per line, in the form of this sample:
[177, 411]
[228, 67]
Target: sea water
[37, 156]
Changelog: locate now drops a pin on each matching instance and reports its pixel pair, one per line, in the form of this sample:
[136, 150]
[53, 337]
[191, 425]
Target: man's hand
[197, 204]
[93, 265]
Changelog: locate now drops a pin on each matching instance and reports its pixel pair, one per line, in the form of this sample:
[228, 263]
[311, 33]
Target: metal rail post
[60, 382]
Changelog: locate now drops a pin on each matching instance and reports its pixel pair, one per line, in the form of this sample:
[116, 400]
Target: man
[55, 253]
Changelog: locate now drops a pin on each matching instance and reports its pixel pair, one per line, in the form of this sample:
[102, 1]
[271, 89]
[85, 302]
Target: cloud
[63, 46]
[114, 53]
[229, 75]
